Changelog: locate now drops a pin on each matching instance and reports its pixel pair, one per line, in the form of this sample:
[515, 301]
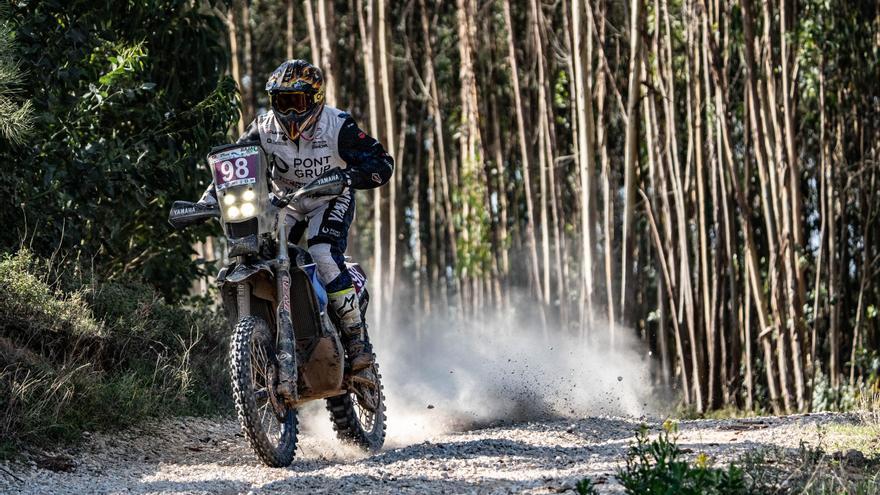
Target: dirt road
[193, 455]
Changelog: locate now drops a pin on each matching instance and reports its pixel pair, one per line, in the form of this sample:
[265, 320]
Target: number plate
[235, 167]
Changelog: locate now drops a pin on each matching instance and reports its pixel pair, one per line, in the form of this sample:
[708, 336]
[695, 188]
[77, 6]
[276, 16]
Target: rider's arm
[252, 133]
[369, 165]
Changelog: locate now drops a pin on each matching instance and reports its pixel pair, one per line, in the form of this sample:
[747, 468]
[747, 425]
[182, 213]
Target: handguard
[332, 183]
[184, 213]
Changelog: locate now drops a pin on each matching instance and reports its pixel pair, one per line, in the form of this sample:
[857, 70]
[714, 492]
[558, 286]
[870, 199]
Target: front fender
[244, 271]
[258, 275]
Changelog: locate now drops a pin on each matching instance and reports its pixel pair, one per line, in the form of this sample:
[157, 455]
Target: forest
[700, 175]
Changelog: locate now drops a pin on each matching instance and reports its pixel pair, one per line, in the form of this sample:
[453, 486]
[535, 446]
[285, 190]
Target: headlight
[240, 204]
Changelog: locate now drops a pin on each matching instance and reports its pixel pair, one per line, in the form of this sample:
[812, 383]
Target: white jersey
[317, 150]
[293, 164]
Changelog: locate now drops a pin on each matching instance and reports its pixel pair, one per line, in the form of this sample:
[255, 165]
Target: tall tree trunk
[607, 186]
[542, 159]
[740, 189]
[758, 114]
[546, 163]
[327, 28]
[314, 40]
[630, 157]
[582, 63]
[385, 82]
[679, 179]
[835, 262]
[437, 117]
[795, 240]
[289, 39]
[367, 27]
[471, 152]
[250, 96]
[524, 159]
[706, 331]
[235, 56]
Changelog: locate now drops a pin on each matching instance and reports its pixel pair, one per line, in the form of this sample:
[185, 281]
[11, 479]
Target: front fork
[287, 378]
[287, 372]
[286, 361]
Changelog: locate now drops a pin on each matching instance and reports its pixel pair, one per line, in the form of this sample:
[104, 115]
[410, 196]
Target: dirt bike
[285, 349]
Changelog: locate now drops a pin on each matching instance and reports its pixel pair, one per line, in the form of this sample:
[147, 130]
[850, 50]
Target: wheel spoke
[366, 391]
[263, 377]
[266, 421]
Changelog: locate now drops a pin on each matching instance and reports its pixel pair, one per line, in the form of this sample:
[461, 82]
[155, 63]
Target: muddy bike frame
[241, 183]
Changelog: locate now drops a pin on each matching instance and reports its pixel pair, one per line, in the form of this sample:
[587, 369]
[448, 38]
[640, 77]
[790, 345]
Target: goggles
[296, 102]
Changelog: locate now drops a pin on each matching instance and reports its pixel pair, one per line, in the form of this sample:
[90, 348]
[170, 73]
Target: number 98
[239, 171]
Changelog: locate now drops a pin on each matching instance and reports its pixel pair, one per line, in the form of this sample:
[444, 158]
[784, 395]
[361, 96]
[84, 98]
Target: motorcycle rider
[304, 139]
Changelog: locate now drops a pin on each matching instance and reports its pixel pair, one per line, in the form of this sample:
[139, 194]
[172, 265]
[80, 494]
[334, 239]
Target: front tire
[355, 423]
[269, 425]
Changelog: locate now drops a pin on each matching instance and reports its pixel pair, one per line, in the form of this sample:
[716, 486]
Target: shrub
[658, 467]
[78, 356]
[28, 300]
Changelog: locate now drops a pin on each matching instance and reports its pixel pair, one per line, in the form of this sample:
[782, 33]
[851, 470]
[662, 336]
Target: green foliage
[128, 97]
[848, 397]
[474, 249]
[78, 354]
[25, 295]
[17, 118]
[586, 487]
[657, 467]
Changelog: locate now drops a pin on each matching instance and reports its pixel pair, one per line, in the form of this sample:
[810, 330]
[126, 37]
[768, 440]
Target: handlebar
[184, 213]
[330, 184]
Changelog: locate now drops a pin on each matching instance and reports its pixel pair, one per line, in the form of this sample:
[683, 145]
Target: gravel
[198, 455]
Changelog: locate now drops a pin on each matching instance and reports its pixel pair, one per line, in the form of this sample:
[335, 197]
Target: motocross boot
[347, 307]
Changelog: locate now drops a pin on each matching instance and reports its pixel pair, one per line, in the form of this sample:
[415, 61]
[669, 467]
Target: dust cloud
[468, 374]
[451, 374]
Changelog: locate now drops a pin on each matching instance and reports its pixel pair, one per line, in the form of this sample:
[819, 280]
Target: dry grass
[811, 470]
[80, 356]
[869, 406]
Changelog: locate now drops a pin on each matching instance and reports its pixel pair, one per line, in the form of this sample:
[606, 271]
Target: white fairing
[295, 165]
[238, 173]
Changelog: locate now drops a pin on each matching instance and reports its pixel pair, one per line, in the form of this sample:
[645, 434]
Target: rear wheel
[269, 425]
[359, 416]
